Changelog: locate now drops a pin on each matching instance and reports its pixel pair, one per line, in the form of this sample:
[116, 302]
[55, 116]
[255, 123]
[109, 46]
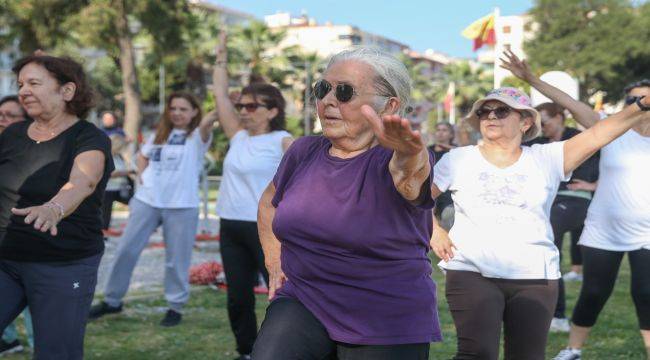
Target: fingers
[54, 230]
[276, 280]
[21, 212]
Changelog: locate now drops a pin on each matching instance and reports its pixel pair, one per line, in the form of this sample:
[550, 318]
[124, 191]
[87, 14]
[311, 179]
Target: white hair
[392, 78]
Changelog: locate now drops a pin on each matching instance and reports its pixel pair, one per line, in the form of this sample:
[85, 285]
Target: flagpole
[497, 13]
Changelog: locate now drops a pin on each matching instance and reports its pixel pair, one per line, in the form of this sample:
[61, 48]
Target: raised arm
[581, 112]
[582, 146]
[409, 166]
[228, 117]
[270, 243]
[206, 124]
[87, 171]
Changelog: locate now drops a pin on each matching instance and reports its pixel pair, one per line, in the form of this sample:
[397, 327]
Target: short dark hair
[64, 70]
[449, 127]
[271, 97]
[552, 109]
[636, 84]
[14, 98]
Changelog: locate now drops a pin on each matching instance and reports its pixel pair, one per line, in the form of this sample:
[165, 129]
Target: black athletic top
[31, 174]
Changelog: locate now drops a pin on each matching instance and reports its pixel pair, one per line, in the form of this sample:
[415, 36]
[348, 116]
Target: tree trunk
[132, 112]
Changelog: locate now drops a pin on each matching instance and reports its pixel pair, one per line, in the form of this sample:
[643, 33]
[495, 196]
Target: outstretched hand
[394, 132]
[516, 66]
[43, 217]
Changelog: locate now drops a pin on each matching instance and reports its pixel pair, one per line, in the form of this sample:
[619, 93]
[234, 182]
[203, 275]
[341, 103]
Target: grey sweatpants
[179, 231]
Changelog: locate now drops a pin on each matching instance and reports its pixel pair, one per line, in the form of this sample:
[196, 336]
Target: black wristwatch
[641, 106]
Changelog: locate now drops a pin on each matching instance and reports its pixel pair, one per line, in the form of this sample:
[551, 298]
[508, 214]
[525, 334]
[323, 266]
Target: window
[506, 29]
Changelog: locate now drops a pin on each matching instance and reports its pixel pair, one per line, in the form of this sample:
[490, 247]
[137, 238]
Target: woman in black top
[53, 170]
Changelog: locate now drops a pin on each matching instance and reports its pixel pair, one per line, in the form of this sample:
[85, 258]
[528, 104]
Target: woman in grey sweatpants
[169, 165]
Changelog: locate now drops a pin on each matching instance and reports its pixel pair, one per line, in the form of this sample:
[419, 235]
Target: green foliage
[601, 42]
[472, 82]
[517, 83]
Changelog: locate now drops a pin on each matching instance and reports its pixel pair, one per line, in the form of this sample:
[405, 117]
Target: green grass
[205, 332]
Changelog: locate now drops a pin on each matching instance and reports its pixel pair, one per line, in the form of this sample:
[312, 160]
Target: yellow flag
[477, 28]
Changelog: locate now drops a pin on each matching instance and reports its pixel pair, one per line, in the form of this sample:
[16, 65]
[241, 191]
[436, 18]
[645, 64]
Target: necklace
[50, 133]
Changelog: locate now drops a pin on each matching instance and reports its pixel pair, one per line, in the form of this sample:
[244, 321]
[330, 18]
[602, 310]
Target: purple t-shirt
[353, 249]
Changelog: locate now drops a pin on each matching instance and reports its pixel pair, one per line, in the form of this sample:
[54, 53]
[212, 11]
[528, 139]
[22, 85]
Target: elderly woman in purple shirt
[345, 225]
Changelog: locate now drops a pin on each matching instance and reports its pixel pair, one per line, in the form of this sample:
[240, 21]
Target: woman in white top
[505, 266]
[255, 127]
[618, 221]
[169, 165]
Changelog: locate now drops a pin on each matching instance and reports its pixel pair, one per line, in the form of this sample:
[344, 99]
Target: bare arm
[270, 243]
[582, 146]
[228, 117]
[440, 242]
[581, 112]
[86, 173]
[286, 142]
[141, 163]
[206, 124]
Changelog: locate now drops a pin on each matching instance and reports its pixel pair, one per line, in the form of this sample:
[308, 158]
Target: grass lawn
[205, 332]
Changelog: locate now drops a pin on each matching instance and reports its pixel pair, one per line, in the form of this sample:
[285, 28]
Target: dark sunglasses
[629, 100]
[250, 107]
[500, 112]
[343, 92]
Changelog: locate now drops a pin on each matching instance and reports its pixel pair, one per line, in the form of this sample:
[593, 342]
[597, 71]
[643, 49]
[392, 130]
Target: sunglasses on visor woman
[500, 112]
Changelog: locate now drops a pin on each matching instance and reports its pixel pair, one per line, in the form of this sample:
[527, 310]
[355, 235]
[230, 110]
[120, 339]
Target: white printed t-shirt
[249, 167]
[171, 180]
[502, 227]
[619, 215]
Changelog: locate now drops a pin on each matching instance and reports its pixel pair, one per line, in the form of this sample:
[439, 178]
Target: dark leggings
[600, 270]
[576, 250]
[567, 214]
[243, 260]
[291, 332]
[480, 305]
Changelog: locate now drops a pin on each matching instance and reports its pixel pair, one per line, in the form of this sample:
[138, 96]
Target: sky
[420, 24]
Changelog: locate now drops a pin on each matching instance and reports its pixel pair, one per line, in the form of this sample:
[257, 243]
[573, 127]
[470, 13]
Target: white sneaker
[568, 354]
[560, 325]
[572, 276]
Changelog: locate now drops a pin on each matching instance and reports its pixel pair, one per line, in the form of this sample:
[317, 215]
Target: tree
[472, 83]
[36, 24]
[601, 42]
[115, 25]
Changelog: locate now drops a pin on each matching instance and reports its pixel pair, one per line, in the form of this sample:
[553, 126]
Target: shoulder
[90, 135]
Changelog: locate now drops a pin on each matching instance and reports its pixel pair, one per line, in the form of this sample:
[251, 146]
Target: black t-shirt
[587, 171]
[31, 174]
[444, 199]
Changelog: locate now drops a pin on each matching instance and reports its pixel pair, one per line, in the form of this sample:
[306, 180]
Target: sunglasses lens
[344, 92]
[321, 89]
[502, 112]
